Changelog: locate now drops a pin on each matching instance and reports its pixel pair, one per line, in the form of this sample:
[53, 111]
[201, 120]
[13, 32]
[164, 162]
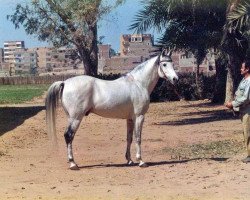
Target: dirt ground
[193, 152]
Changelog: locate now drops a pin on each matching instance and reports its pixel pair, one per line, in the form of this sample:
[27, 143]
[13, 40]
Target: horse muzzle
[175, 80]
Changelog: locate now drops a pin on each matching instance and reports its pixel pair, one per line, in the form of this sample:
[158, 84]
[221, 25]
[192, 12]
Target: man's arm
[244, 99]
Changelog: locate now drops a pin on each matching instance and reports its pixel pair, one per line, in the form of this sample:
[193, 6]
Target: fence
[33, 79]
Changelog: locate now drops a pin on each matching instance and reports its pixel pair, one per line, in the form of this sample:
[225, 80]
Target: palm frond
[239, 17]
[153, 15]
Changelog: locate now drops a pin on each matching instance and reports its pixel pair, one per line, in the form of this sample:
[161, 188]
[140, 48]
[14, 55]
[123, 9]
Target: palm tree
[235, 42]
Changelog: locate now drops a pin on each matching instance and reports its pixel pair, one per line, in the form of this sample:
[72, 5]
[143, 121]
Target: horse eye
[164, 65]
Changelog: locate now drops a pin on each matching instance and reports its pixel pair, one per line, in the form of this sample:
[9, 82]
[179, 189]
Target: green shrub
[186, 87]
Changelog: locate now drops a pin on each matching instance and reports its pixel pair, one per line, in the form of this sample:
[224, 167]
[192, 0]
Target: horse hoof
[143, 165]
[74, 167]
[130, 163]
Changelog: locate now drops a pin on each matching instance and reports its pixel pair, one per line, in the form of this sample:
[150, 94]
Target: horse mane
[141, 66]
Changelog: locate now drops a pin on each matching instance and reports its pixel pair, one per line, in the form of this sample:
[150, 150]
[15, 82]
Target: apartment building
[44, 59]
[1, 55]
[185, 62]
[62, 59]
[10, 47]
[104, 54]
[1, 59]
[134, 49]
[25, 61]
[136, 45]
[104, 51]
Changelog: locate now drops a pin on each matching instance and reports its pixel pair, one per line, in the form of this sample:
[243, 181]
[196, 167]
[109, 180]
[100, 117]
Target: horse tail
[53, 95]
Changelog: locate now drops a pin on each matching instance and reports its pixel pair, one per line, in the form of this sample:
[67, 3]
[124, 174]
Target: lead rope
[182, 99]
[177, 93]
[235, 114]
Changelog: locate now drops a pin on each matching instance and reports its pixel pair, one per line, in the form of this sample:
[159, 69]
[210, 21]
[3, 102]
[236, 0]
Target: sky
[111, 27]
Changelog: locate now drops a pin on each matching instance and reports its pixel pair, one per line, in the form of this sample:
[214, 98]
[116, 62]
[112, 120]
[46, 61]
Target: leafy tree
[65, 23]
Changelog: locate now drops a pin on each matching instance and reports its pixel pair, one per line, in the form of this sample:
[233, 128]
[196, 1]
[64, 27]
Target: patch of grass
[213, 149]
[14, 94]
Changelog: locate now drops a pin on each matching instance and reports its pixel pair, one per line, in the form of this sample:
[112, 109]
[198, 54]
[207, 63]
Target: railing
[33, 79]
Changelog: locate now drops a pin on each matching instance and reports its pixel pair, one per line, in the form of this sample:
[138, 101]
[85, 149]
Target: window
[136, 39]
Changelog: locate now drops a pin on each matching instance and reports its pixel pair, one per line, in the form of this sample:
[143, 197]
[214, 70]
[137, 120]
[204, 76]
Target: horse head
[166, 69]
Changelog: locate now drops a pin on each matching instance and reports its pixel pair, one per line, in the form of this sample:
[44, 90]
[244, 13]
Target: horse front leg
[138, 130]
[69, 136]
[130, 130]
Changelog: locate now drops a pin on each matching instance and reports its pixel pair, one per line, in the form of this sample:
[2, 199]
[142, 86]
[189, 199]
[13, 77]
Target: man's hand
[229, 105]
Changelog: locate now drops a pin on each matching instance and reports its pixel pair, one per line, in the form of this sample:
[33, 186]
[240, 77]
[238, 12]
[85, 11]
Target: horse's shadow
[11, 117]
[159, 163]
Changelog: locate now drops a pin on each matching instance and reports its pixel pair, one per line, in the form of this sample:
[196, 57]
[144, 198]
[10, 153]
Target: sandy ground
[30, 169]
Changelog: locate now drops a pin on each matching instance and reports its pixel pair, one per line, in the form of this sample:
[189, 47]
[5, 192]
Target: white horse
[127, 97]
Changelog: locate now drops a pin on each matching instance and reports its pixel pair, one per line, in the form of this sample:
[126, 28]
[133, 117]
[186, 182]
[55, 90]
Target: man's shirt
[242, 96]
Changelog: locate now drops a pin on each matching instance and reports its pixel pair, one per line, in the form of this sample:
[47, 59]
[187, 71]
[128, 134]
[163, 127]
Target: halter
[163, 72]
[166, 60]
[170, 60]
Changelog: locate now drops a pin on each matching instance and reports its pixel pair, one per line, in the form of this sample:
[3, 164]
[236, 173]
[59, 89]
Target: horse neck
[147, 74]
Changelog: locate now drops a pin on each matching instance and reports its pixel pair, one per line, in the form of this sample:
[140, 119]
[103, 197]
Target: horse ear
[163, 53]
[170, 52]
[158, 59]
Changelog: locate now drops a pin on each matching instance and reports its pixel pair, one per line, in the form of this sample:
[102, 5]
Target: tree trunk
[198, 82]
[88, 52]
[229, 85]
[220, 85]
[94, 52]
[90, 65]
[233, 76]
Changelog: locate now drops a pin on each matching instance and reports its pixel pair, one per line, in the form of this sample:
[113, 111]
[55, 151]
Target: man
[241, 103]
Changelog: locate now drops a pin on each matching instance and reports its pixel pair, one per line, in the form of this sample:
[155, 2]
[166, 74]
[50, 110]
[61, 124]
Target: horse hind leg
[130, 129]
[69, 136]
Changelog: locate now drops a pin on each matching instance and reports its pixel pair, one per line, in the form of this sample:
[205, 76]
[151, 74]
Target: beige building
[25, 61]
[184, 62]
[61, 60]
[20, 60]
[104, 51]
[4, 67]
[1, 55]
[10, 47]
[1, 59]
[134, 49]
[136, 45]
